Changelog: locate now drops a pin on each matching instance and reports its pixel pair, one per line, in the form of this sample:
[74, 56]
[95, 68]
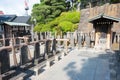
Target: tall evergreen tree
[47, 10]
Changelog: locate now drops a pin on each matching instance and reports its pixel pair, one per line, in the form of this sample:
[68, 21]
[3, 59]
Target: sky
[16, 7]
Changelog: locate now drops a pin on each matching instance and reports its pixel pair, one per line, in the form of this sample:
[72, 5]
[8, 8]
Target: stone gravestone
[37, 51]
[24, 55]
[68, 35]
[7, 42]
[75, 37]
[39, 36]
[72, 42]
[43, 35]
[5, 61]
[87, 41]
[58, 42]
[79, 42]
[47, 48]
[17, 41]
[54, 46]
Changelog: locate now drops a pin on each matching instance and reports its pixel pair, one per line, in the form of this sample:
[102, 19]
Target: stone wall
[108, 9]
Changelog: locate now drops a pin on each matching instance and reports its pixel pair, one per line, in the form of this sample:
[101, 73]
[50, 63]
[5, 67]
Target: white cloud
[16, 6]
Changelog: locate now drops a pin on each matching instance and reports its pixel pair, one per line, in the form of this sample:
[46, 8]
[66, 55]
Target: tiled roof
[22, 19]
[4, 18]
[16, 24]
[103, 16]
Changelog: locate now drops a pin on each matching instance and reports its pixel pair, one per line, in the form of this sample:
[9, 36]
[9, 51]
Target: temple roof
[102, 18]
[16, 24]
[22, 19]
[9, 18]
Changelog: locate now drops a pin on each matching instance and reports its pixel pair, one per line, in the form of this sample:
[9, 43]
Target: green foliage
[67, 21]
[115, 1]
[38, 27]
[47, 10]
[66, 26]
[73, 17]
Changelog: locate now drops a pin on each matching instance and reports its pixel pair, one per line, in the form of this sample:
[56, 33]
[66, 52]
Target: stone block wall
[108, 9]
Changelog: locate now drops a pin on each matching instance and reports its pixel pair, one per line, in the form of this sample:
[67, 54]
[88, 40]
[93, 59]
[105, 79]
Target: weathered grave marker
[87, 40]
[37, 51]
[24, 55]
[5, 61]
[79, 42]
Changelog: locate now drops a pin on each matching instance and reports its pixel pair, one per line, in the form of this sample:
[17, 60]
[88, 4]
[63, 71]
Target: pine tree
[47, 10]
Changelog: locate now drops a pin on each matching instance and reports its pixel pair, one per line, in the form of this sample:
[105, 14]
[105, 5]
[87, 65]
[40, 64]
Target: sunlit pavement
[83, 64]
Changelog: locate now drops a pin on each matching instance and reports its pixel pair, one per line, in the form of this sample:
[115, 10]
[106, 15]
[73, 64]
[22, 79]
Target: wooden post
[66, 48]
[3, 39]
[29, 54]
[13, 52]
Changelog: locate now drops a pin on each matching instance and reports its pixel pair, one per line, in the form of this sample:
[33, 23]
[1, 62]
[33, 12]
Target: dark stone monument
[54, 46]
[7, 42]
[5, 61]
[37, 51]
[48, 48]
[39, 36]
[17, 41]
[24, 55]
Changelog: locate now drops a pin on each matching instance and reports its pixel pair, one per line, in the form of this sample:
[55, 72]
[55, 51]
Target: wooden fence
[22, 57]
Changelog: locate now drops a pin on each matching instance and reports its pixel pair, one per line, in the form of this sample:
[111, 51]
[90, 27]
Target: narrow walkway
[82, 64]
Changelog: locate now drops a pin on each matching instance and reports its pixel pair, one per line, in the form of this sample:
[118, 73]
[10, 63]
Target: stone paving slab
[77, 67]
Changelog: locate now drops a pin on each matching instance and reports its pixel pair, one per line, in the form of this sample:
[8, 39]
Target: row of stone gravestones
[42, 35]
[49, 50]
[81, 39]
